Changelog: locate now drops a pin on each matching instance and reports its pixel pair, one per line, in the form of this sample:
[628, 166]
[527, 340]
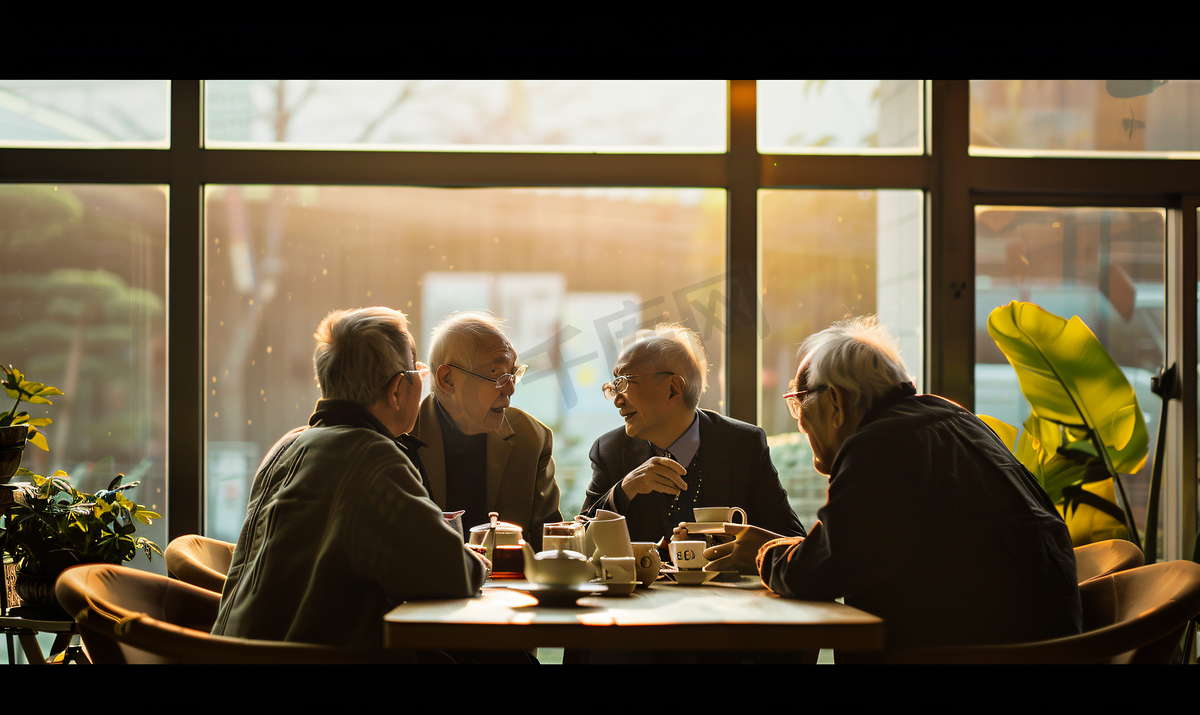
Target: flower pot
[36, 592]
[12, 447]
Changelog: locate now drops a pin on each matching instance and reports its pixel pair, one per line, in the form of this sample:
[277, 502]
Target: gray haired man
[931, 522]
[339, 528]
[670, 456]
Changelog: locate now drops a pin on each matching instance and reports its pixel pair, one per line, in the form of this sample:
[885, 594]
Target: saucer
[618, 589]
[705, 527]
[562, 596]
[693, 578]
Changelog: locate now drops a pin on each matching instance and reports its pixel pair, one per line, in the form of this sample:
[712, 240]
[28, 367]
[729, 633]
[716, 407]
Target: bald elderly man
[480, 453]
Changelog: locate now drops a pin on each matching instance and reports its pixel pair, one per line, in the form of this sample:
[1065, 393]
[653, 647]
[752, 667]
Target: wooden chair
[1106, 557]
[199, 560]
[1133, 616]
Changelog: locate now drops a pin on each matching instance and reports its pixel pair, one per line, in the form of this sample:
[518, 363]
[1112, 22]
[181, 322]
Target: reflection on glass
[1104, 265]
[470, 115]
[572, 271]
[827, 256]
[1049, 117]
[85, 113]
[838, 116]
[82, 307]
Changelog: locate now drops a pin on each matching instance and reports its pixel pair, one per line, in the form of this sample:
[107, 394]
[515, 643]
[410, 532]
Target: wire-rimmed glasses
[620, 383]
[505, 380]
[421, 371]
[795, 400]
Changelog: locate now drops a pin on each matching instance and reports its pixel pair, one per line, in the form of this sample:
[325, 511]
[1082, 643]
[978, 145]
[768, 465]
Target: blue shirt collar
[684, 449]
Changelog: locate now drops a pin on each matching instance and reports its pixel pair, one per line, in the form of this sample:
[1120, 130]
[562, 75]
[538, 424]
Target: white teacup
[719, 514]
[611, 536]
[688, 555]
[618, 569]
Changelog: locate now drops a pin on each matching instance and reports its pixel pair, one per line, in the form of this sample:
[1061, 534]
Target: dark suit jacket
[736, 465]
[520, 469]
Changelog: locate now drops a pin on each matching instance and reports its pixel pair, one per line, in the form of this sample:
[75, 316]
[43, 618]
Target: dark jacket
[338, 531]
[933, 525]
[737, 471]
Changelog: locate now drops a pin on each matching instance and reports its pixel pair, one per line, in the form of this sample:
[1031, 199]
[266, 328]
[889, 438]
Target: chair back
[129, 616]
[98, 596]
[168, 643]
[199, 560]
[1133, 616]
[1106, 557]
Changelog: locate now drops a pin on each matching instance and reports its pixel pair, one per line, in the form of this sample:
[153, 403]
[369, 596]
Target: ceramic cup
[688, 555]
[618, 569]
[719, 514]
[648, 561]
[611, 536]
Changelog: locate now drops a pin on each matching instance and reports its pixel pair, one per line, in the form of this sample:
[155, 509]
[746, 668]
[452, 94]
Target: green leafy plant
[35, 393]
[1086, 426]
[54, 525]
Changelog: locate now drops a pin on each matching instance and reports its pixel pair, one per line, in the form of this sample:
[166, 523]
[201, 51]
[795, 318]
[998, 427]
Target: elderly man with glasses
[339, 528]
[931, 523]
[480, 454]
[670, 456]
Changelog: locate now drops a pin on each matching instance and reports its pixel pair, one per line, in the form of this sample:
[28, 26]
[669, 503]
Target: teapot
[558, 567]
[500, 542]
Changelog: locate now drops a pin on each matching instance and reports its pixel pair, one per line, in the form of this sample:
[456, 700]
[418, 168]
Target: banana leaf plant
[35, 393]
[1086, 426]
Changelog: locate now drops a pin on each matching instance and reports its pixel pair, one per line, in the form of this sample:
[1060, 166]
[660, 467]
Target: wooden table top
[666, 616]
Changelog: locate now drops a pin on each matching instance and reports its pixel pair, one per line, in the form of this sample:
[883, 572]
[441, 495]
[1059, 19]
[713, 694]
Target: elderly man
[480, 454]
[670, 456]
[931, 523]
[339, 528]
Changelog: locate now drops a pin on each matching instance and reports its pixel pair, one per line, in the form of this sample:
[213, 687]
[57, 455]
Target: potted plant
[52, 526]
[17, 427]
[1085, 428]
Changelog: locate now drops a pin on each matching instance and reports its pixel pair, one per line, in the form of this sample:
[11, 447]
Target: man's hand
[740, 554]
[657, 474]
[487, 565]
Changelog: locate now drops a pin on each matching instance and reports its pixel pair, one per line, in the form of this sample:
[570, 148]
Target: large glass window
[83, 300]
[827, 256]
[469, 115]
[85, 113]
[1063, 117]
[840, 116]
[571, 270]
[1104, 265]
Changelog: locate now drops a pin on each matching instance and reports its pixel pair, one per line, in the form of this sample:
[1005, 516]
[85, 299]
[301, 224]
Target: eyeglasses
[620, 383]
[421, 371]
[795, 399]
[506, 380]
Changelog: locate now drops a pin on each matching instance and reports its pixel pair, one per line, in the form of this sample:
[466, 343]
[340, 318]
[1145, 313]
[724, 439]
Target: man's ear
[838, 398]
[676, 388]
[443, 378]
[392, 393]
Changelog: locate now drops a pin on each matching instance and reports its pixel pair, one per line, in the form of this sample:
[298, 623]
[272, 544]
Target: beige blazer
[520, 469]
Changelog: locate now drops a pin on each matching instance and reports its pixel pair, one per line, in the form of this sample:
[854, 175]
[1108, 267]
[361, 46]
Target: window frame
[953, 183]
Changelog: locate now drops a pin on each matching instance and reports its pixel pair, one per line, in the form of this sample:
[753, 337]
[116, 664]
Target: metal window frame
[953, 182]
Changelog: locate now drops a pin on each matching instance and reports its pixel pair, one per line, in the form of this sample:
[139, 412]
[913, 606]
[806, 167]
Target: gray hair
[461, 336]
[671, 345]
[359, 351]
[858, 356]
